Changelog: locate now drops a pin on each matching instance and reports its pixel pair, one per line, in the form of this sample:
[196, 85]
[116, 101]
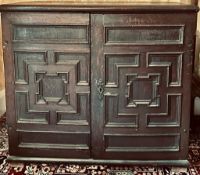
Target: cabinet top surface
[98, 5]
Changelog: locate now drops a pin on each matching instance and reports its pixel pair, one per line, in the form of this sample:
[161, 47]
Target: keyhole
[100, 90]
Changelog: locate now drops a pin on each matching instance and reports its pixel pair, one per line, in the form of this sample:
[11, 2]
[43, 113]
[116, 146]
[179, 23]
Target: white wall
[2, 102]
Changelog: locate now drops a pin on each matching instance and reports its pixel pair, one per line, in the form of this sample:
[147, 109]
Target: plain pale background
[2, 84]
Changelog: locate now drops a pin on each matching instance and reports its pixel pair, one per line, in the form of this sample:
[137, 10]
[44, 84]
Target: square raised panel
[147, 86]
[47, 90]
[57, 84]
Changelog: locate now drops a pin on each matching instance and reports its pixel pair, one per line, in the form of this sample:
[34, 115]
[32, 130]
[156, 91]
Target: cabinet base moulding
[102, 161]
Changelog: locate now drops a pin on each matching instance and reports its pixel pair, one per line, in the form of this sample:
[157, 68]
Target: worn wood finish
[51, 84]
[121, 8]
[146, 87]
[88, 87]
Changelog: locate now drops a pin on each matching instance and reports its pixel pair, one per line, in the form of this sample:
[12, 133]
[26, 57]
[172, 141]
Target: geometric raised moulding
[27, 115]
[115, 62]
[170, 117]
[22, 61]
[172, 61]
[143, 90]
[47, 91]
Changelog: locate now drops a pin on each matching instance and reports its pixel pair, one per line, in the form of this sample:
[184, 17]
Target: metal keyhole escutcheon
[100, 89]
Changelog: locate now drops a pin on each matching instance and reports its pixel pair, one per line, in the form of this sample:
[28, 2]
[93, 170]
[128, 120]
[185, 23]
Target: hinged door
[141, 74]
[47, 61]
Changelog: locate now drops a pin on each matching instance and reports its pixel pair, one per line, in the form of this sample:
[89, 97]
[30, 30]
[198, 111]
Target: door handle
[100, 88]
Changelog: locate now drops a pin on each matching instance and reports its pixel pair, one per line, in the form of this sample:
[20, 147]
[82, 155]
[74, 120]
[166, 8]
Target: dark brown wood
[51, 84]
[109, 87]
[107, 7]
[146, 87]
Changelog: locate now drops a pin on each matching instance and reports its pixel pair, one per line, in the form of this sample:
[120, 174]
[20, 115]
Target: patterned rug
[68, 169]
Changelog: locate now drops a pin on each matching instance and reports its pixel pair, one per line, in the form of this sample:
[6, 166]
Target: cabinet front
[48, 58]
[141, 68]
[101, 86]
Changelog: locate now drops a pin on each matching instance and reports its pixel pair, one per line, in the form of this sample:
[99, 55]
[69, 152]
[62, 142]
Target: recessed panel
[71, 34]
[49, 83]
[115, 62]
[115, 118]
[142, 143]
[54, 140]
[82, 61]
[81, 117]
[145, 35]
[22, 60]
[171, 61]
[26, 115]
[171, 116]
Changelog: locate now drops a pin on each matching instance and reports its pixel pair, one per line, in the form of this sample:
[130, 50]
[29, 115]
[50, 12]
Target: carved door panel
[140, 84]
[141, 66]
[47, 56]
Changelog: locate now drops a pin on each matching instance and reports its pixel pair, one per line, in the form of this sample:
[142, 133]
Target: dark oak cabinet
[99, 84]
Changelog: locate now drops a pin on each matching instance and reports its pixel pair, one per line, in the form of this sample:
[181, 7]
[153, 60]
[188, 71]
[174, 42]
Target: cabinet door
[47, 66]
[141, 74]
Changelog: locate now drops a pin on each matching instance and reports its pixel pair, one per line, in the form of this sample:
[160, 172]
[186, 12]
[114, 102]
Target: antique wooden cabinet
[99, 84]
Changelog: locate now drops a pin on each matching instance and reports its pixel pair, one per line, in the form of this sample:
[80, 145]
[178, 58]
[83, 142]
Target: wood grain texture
[122, 94]
[37, 71]
[62, 2]
[88, 2]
